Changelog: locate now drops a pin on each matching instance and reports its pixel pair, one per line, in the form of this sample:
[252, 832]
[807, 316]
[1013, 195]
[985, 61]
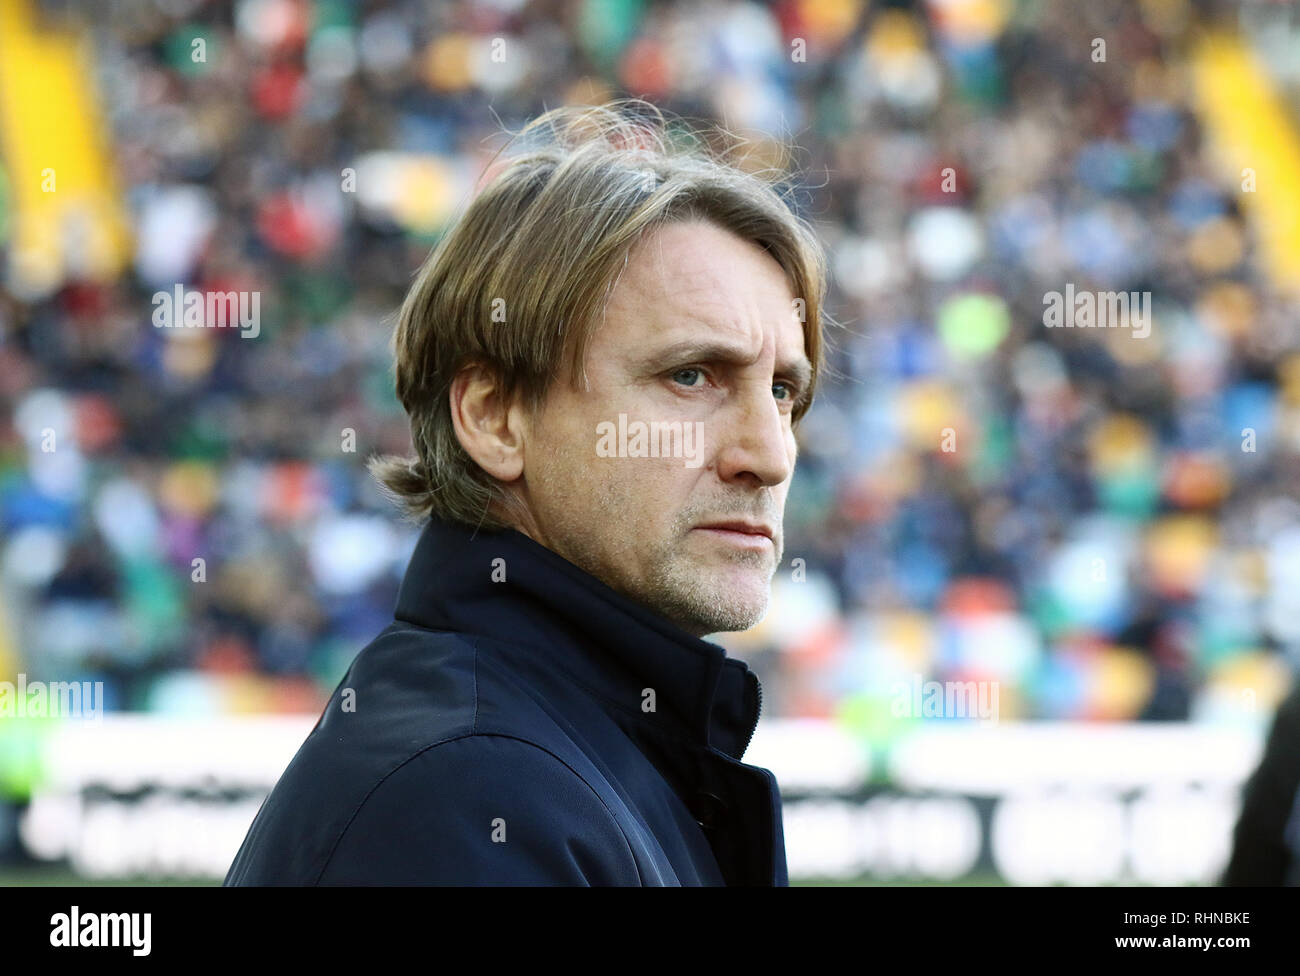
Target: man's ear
[491, 429]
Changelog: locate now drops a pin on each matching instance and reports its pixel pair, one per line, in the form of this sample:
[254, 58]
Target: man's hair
[522, 278]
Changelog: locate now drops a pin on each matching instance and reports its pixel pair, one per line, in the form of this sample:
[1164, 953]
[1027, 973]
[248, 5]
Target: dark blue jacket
[521, 723]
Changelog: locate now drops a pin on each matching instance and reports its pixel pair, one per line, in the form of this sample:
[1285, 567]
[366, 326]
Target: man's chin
[733, 623]
[721, 605]
[705, 592]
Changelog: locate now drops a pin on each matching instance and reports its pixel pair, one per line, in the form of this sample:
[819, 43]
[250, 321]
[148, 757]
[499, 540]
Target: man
[1266, 840]
[603, 363]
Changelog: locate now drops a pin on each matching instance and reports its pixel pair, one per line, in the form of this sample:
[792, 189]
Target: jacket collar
[564, 614]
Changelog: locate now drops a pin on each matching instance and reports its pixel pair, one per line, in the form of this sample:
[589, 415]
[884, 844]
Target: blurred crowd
[1106, 525]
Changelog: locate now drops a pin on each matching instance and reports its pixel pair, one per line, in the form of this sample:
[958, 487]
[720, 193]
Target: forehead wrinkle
[658, 292]
[743, 331]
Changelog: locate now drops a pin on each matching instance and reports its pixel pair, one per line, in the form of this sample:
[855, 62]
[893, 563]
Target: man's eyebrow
[697, 351]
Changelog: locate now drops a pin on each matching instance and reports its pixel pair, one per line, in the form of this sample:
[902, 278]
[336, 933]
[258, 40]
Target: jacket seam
[456, 738]
[473, 725]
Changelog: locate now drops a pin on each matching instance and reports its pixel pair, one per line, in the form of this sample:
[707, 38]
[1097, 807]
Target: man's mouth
[751, 535]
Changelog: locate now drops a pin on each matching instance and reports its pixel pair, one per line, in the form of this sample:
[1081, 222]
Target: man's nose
[753, 439]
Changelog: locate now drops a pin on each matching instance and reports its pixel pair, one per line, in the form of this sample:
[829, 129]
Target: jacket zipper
[757, 714]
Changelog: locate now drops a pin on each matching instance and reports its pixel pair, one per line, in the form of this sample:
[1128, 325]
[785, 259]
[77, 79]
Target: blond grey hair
[548, 235]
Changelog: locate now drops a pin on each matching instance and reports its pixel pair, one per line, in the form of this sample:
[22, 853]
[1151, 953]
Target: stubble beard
[676, 584]
[699, 602]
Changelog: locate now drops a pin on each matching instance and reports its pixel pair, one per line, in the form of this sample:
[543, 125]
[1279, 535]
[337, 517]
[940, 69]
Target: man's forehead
[661, 337]
[699, 258]
[676, 297]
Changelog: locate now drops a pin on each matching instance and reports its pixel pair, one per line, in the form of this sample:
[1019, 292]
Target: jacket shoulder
[483, 808]
[400, 780]
[1260, 851]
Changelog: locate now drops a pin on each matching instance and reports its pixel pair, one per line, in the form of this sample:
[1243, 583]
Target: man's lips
[752, 534]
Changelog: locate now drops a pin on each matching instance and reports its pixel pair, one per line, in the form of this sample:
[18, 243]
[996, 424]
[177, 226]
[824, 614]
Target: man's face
[700, 332]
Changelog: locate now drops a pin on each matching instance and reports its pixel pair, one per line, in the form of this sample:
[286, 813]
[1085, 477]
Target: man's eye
[791, 391]
[688, 371]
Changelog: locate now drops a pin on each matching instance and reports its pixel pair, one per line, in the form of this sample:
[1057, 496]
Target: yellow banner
[1256, 141]
[68, 216]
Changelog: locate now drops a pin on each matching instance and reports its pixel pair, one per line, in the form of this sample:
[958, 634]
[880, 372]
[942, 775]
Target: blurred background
[1097, 531]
